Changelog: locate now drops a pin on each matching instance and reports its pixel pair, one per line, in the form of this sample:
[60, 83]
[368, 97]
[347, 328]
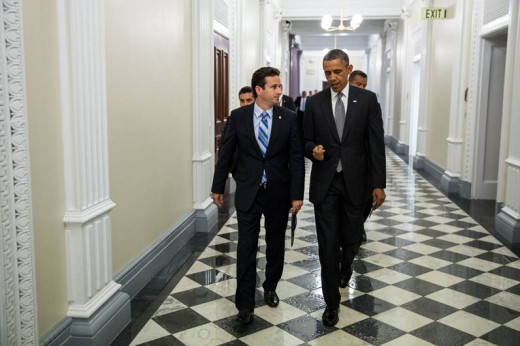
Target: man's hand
[296, 206]
[378, 196]
[318, 152]
[218, 198]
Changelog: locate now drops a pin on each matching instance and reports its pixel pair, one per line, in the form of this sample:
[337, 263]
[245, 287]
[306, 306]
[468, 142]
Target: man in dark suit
[358, 79]
[287, 102]
[270, 181]
[343, 136]
[245, 97]
[300, 107]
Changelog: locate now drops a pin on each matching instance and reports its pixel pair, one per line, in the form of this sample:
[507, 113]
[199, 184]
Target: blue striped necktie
[263, 139]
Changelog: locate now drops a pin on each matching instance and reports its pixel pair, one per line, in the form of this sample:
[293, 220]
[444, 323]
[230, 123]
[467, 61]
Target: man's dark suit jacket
[298, 101]
[283, 160]
[287, 102]
[361, 150]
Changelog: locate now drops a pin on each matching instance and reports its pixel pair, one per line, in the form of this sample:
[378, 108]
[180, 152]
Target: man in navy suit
[343, 136]
[287, 102]
[270, 180]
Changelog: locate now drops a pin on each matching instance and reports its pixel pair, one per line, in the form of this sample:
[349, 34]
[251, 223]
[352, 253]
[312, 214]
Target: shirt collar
[333, 94]
[259, 111]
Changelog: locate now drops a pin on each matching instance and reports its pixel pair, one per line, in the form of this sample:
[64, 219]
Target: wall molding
[508, 226]
[138, 273]
[115, 313]
[17, 282]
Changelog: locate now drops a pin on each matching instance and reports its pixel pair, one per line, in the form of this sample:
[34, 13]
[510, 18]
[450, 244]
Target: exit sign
[433, 13]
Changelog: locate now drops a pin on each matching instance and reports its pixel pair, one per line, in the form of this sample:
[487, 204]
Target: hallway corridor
[428, 274]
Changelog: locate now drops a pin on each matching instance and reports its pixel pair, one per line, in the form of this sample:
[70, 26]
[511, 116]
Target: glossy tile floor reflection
[428, 274]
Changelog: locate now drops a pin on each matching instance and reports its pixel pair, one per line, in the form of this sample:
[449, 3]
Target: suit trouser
[338, 220]
[248, 231]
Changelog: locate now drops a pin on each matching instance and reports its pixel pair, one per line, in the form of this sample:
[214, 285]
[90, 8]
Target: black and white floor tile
[428, 274]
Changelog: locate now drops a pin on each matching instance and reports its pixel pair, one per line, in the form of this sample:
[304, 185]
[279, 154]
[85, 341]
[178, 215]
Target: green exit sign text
[433, 13]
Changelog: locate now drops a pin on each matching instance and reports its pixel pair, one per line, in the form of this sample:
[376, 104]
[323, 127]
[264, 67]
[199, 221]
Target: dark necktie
[263, 139]
[339, 117]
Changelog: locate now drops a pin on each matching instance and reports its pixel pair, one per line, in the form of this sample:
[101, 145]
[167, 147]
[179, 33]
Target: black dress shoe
[344, 278]
[271, 298]
[244, 316]
[330, 316]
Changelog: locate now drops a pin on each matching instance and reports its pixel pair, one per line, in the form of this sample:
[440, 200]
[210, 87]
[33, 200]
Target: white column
[455, 139]
[203, 113]
[402, 140]
[262, 30]
[235, 52]
[18, 315]
[508, 220]
[286, 57]
[424, 97]
[84, 111]
[391, 56]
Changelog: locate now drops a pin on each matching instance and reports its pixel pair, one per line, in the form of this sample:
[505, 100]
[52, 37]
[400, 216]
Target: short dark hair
[355, 73]
[258, 78]
[337, 54]
[245, 90]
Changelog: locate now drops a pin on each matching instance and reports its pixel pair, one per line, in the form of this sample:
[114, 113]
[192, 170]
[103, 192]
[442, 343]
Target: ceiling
[305, 17]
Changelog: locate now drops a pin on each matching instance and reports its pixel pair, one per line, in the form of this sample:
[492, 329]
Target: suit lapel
[351, 110]
[326, 104]
[275, 128]
[250, 125]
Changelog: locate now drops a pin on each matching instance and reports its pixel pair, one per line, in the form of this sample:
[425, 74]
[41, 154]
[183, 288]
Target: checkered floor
[428, 274]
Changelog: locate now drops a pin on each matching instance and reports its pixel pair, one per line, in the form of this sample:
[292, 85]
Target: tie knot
[340, 95]
[265, 115]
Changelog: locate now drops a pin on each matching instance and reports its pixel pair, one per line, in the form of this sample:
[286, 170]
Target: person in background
[358, 79]
[286, 101]
[269, 181]
[343, 137]
[300, 108]
[245, 96]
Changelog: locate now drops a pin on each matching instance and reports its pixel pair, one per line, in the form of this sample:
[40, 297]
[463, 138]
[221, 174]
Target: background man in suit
[287, 102]
[343, 136]
[270, 180]
[358, 79]
[245, 96]
[300, 107]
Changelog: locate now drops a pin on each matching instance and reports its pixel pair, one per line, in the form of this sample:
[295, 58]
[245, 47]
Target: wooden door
[221, 80]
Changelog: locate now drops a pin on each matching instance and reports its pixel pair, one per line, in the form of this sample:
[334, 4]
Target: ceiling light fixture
[355, 22]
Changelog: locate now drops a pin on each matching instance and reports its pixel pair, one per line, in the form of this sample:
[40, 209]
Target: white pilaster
[286, 57]
[424, 97]
[391, 57]
[509, 164]
[473, 91]
[403, 136]
[262, 30]
[235, 49]
[203, 112]
[18, 323]
[458, 88]
[84, 111]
